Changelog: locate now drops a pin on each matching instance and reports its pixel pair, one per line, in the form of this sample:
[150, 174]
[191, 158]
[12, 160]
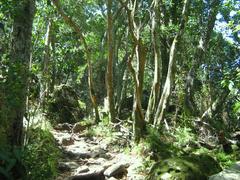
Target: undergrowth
[40, 155]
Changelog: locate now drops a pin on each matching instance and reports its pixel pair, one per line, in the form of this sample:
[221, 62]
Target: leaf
[236, 107]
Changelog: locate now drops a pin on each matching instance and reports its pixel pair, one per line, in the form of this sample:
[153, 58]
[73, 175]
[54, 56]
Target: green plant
[183, 136]
[40, 155]
[11, 166]
[225, 160]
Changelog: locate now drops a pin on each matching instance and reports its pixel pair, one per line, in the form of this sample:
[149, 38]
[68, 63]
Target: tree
[140, 51]
[110, 92]
[169, 79]
[18, 73]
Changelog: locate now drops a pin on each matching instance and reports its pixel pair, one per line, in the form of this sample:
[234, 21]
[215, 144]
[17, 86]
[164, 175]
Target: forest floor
[89, 156]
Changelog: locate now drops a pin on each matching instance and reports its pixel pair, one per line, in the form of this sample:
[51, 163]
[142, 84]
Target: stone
[111, 178]
[63, 105]
[88, 176]
[82, 169]
[235, 166]
[67, 166]
[63, 127]
[72, 165]
[78, 128]
[77, 155]
[115, 170]
[62, 167]
[67, 141]
[197, 167]
[231, 173]
[95, 174]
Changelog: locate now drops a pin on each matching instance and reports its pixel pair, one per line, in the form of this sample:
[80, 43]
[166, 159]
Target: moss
[185, 168]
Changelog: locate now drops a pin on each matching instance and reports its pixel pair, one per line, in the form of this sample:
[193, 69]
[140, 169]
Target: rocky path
[92, 158]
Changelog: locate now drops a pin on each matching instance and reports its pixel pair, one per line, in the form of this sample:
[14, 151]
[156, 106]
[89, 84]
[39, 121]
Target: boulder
[193, 167]
[63, 105]
[231, 173]
[116, 170]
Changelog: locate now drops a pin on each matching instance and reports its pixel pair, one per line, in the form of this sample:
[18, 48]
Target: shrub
[41, 155]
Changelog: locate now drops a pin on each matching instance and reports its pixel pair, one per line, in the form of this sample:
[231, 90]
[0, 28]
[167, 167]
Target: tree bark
[138, 74]
[110, 91]
[168, 83]
[44, 90]
[155, 90]
[17, 79]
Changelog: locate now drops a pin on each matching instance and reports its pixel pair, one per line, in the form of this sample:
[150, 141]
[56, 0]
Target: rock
[98, 152]
[96, 174]
[67, 141]
[78, 128]
[62, 167]
[115, 170]
[63, 127]
[111, 178]
[92, 176]
[67, 166]
[236, 135]
[82, 169]
[197, 167]
[231, 173]
[77, 155]
[235, 166]
[72, 165]
[63, 105]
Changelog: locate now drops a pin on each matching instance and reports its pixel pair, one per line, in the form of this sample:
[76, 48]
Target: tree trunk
[110, 91]
[169, 80]
[155, 91]
[44, 89]
[122, 91]
[138, 115]
[138, 74]
[17, 79]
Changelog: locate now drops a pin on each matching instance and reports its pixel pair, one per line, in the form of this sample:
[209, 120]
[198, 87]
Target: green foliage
[224, 159]
[41, 155]
[184, 137]
[161, 144]
[11, 165]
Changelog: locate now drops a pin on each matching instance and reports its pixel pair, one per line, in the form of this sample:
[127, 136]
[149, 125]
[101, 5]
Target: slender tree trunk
[17, 79]
[169, 80]
[138, 75]
[121, 82]
[155, 91]
[123, 91]
[110, 91]
[137, 115]
[78, 30]
[44, 90]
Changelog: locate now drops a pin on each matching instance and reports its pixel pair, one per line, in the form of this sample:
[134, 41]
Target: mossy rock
[64, 105]
[193, 167]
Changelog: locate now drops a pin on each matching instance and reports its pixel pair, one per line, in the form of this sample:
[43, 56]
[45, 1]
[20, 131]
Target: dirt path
[93, 158]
